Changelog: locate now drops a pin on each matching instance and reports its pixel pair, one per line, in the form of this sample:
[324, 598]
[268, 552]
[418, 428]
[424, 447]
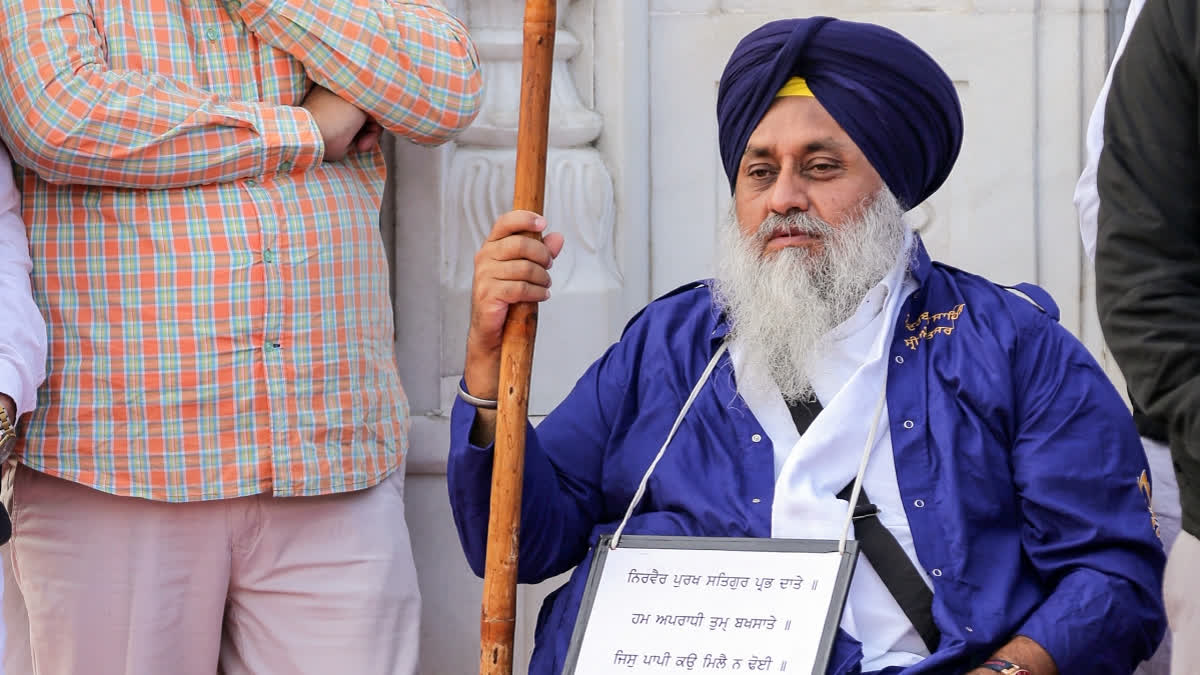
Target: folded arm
[410, 66]
[72, 119]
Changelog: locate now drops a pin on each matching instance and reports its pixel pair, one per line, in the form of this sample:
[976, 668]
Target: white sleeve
[22, 330]
[1087, 200]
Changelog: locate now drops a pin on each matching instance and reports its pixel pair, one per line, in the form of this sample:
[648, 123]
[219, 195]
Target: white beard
[782, 306]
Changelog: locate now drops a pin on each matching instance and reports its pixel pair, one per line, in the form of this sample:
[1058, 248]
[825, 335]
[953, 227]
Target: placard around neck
[667, 605]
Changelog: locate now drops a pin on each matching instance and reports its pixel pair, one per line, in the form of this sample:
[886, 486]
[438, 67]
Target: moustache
[795, 223]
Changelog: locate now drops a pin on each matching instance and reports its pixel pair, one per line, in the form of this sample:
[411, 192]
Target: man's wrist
[481, 371]
[1029, 658]
[481, 403]
[1003, 666]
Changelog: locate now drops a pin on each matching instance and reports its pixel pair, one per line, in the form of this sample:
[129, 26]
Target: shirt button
[285, 166]
[211, 33]
[899, 359]
[251, 183]
[269, 256]
[936, 572]
[272, 347]
[756, 437]
[920, 503]
[908, 424]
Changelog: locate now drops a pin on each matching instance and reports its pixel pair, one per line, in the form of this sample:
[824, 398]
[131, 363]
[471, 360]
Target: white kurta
[812, 469]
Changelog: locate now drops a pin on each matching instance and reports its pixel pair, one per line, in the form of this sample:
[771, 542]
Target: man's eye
[759, 172]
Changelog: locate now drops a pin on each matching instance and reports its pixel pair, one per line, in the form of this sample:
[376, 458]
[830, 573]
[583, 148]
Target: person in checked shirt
[213, 478]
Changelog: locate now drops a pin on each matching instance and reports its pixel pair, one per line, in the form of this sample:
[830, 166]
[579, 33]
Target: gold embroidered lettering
[928, 325]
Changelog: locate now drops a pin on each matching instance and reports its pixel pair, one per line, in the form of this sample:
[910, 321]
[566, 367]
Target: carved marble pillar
[576, 324]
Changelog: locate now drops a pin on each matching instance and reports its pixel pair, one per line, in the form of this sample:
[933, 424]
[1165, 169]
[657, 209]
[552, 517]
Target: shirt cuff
[292, 140]
[462, 419]
[1087, 603]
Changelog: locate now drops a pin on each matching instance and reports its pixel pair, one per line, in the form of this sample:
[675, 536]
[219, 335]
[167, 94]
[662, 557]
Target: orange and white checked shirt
[217, 295]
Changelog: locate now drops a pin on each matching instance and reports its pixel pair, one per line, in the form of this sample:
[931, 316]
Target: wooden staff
[516, 355]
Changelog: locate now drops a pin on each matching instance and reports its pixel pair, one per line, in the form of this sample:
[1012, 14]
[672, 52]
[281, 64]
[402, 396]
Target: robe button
[756, 500]
[936, 572]
[908, 424]
[756, 437]
[899, 359]
[920, 503]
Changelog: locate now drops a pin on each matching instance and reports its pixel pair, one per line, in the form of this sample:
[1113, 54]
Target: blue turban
[896, 104]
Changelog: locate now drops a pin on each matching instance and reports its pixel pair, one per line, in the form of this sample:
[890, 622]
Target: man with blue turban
[1010, 529]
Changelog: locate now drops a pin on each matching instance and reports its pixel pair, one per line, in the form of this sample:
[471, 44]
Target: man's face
[800, 160]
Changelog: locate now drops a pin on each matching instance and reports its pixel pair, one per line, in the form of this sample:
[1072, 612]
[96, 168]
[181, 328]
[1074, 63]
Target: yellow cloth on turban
[797, 86]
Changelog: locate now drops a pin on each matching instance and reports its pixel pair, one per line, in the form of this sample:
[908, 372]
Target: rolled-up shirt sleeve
[73, 119]
[410, 65]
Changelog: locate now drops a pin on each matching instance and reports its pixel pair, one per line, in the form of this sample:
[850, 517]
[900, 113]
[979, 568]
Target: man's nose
[788, 194]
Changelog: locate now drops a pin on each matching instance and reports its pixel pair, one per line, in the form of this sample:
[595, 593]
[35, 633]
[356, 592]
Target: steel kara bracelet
[484, 403]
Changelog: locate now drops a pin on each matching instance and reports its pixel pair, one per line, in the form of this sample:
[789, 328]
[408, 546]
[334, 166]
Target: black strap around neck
[886, 555]
[804, 412]
[894, 567]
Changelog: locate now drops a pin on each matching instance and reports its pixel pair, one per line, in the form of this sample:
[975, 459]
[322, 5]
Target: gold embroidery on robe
[931, 325]
[1144, 485]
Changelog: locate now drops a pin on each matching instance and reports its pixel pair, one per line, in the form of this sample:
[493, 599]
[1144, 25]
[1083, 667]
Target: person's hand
[341, 123]
[368, 137]
[10, 406]
[509, 268]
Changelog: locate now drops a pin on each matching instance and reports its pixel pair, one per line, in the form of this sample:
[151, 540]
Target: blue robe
[1021, 473]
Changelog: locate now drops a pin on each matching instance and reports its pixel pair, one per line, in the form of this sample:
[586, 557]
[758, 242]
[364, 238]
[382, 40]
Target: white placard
[712, 610]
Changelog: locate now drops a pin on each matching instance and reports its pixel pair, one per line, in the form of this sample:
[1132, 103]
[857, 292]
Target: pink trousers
[107, 585]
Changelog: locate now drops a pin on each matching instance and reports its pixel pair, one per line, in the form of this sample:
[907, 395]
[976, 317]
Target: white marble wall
[636, 187]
